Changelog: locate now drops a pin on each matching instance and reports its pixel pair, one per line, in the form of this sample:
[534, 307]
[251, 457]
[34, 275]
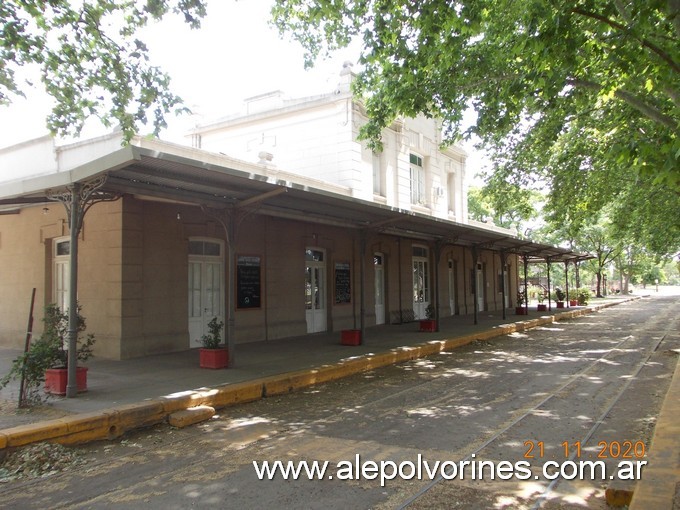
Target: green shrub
[213, 339]
[429, 312]
[48, 352]
[583, 295]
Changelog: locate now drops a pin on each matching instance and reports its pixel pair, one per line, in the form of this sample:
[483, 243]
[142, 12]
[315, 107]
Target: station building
[277, 221]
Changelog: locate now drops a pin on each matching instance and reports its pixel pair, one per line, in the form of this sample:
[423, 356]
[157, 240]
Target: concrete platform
[112, 383]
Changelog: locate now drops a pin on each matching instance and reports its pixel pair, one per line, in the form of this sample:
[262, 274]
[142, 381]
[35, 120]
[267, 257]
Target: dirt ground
[552, 385]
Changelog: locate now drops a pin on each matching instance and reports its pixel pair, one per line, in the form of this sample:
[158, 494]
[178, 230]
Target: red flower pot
[520, 310]
[573, 302]
[57, 378]
[428, 325]
[213, 358]
[560, 304]
[541, 308]
[350, 337]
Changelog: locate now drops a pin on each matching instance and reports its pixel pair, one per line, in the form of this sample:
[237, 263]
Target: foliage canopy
[90, 58]
[535, 71]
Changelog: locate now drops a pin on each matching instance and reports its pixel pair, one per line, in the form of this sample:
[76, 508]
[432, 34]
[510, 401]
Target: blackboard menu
[343, 283]
[248, 290]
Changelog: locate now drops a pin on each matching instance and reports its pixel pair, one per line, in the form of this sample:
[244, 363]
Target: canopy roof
[163, 171]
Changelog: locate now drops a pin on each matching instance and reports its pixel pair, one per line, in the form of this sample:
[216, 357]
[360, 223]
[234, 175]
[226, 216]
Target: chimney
[346, 77]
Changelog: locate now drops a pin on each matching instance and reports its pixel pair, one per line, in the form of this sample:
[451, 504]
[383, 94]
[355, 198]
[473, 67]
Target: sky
[235, 54]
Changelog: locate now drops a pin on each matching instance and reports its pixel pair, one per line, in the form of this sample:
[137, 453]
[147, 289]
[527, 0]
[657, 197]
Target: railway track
[595, 370]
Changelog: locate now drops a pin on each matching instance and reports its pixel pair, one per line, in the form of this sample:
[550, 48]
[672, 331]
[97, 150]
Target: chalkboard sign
[248, 290]
[343, 284]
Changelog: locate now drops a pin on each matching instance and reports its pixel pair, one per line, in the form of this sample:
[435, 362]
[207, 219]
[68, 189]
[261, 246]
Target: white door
[480, 288]
[206, 288]
[315, 293]
[379, 288]
[421, 289]
[452, 288]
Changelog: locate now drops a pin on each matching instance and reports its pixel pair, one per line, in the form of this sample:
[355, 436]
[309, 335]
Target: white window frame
[377, 175]
[417, 178]
[61, 274]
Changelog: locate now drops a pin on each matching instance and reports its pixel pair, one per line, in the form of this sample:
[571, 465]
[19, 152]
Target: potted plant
[559, 297]
[430, 323]
[47, 358]
[583, 296]
[213, 354]
[541, 307]
[56, 336]
[521, 299]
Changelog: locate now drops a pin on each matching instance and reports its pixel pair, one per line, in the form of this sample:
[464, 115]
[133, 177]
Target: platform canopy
[155, 170]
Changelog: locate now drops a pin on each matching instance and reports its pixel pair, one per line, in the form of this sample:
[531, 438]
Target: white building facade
[317, 137]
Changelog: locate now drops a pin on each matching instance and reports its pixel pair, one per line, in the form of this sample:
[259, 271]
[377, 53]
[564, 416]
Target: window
[417, 180]
[61, 273]
[451, 184]
[377, 174]
[313, 255]
[204, 248]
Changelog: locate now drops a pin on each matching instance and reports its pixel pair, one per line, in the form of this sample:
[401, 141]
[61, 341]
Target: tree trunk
[599, 283]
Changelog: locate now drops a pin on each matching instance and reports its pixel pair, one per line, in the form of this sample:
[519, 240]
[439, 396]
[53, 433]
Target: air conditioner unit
[438, 191]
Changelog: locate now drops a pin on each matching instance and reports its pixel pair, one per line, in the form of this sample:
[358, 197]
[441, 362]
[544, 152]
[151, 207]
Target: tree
[641, 211]
[596, 239]
[510, 210]
[629, 262]
[479, 208]
[531, 70]
[90, 58]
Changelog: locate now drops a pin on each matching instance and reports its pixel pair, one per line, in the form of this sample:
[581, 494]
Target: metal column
[526, 287]
[549, 299]
[503, 289]
[475, 297]
[362, 285]
[77, 200]
[566, 280]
